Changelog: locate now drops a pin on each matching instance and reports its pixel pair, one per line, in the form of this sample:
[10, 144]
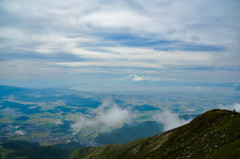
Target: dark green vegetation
[214, 134]
[187, 116]
[22, 118]
[130, 132]
[28, 150]
[23, 108]
[134, 131]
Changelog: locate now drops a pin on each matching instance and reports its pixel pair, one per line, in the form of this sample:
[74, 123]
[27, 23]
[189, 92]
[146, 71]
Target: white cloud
[112, 18]
[31, 31]
[235, 106]
[170, 120]
[107, 115]
[114, 116]
[20, 132]
[171, 20]
[135, 77]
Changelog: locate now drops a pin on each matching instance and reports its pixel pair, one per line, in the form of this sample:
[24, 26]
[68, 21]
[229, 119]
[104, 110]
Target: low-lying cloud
[170, 120]
[107, 115]
[111, 115]
[235, 106]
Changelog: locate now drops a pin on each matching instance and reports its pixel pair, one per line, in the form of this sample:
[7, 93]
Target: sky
[102, 45]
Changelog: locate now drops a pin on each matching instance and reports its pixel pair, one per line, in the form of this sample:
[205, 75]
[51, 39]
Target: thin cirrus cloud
[119, 38]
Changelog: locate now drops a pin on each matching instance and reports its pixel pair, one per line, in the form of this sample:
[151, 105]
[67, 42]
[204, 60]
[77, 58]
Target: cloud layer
[42, 41]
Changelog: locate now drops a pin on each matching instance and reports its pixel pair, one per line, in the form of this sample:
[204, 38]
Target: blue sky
[119, 45]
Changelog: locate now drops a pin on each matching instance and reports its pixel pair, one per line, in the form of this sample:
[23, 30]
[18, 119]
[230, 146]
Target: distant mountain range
[214, 134]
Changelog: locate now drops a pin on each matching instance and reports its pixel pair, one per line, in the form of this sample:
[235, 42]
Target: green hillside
[28, 150]
[214, 134]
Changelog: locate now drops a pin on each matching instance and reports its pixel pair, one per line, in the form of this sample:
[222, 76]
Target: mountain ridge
[214, 134]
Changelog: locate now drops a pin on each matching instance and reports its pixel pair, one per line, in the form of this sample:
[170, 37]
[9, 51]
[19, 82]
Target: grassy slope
[214, 134]
[27, 150]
